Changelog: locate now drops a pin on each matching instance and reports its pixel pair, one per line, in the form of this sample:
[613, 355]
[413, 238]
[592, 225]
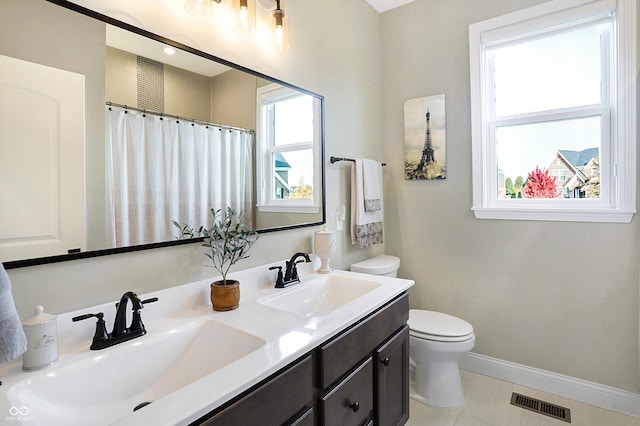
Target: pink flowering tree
[540, 185]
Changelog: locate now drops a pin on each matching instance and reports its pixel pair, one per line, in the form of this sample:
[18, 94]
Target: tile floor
[488, 403]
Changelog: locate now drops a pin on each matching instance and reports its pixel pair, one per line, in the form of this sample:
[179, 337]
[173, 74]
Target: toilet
[437, 342]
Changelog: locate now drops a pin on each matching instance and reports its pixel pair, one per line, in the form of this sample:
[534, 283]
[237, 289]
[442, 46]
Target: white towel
[13, 342]
[372, 184]
[366, 227]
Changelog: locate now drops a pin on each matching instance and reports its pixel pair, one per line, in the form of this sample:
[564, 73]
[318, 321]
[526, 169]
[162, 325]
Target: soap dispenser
[324, 245]
[42, 340]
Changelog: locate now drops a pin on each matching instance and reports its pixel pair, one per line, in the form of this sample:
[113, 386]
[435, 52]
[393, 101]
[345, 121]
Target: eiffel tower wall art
[425, 139]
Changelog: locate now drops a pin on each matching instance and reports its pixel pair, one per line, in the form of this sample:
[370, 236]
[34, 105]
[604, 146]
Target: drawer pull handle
[355, 406]
[385, 361]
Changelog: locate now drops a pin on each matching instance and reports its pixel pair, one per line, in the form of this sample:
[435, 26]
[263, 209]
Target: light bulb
[279, 37]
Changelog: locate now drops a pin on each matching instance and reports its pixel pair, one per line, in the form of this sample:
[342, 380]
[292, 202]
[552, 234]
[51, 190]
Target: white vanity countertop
[287, 337]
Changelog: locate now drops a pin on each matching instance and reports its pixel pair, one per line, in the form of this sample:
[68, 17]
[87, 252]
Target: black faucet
[120, 333]
[291, 271]
[120, 323]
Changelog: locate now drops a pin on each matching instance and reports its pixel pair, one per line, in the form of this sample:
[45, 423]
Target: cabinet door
[350, 402]
[392, 380]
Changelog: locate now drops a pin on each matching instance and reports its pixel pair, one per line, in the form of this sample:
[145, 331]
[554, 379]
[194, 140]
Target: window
[553, 112]
[559, 175]
[288, 162]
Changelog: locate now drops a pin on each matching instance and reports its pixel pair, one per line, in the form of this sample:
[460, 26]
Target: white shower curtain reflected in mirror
[162, 169]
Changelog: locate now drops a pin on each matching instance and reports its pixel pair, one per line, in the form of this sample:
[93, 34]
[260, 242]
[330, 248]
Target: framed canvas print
[425, 141]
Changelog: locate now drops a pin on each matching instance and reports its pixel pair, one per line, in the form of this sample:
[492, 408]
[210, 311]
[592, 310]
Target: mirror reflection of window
[289, 143]
[292, 146]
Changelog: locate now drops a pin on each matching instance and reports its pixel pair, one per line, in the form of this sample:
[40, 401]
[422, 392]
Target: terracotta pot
[225, 297]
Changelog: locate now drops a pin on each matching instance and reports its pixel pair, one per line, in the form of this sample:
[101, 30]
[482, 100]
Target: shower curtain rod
[177, 117]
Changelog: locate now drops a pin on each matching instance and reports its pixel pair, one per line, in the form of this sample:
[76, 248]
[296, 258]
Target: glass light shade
[280, 31]
[199, 7]
[245, 16]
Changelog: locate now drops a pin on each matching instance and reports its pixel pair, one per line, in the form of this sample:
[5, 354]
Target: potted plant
[227, 241]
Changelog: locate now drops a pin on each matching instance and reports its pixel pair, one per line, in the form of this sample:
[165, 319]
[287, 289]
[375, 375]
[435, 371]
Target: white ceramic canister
[324, 245]
[42, 340]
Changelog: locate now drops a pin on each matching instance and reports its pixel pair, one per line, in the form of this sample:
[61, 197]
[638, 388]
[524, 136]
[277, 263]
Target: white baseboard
[579, 390]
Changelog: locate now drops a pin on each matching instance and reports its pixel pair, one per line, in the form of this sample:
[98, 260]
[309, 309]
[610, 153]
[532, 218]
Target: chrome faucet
[121, 333]
[291, 271]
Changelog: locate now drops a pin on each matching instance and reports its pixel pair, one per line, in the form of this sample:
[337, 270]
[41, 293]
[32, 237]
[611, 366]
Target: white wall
[332, 57]
[557, 296]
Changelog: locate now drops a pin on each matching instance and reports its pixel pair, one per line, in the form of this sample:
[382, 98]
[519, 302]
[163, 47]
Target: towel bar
[333, 159]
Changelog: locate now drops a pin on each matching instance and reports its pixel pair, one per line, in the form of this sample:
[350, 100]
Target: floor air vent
[542, 407]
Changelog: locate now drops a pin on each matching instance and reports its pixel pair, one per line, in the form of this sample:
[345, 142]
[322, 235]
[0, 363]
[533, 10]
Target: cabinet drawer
[305, 419]
[342, 353]
[350, 402]
[274, 402]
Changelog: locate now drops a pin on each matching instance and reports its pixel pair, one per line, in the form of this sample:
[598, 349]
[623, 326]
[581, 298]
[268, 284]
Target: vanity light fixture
[246, 12]
[281, 40]
[199, 7]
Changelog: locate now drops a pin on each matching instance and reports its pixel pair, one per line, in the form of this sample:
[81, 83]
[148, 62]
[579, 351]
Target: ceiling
[384, 5]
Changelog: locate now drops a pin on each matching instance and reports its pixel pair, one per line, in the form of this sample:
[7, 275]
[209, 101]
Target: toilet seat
[437, 326]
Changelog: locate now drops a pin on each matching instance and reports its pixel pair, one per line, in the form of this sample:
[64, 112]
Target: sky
[542, 142]
[295, 124]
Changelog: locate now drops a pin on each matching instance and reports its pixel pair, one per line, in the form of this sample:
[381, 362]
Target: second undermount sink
[319, 297]
[113, 382]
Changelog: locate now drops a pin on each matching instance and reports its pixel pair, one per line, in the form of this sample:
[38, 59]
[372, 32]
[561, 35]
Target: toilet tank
[380, 265]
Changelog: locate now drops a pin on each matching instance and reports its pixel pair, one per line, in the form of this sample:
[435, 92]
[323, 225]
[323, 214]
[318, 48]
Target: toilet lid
[438, 326]
[379, 265]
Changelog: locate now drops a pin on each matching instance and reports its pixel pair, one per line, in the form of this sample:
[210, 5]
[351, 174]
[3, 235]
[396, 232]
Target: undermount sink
[113, 382]
[320, 296]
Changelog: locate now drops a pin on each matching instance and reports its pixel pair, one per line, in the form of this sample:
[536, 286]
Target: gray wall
[557, 296]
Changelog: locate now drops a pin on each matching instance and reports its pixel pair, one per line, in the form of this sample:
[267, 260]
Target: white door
[42, 208]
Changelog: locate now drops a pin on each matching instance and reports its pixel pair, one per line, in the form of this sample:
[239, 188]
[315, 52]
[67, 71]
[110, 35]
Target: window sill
[558, 215]
[288, 209]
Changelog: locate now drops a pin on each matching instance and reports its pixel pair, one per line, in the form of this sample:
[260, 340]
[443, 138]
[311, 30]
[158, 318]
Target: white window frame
[265, 169]
[618, 150]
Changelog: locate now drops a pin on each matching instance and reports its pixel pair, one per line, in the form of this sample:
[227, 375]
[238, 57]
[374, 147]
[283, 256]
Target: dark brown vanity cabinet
[359, 377]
